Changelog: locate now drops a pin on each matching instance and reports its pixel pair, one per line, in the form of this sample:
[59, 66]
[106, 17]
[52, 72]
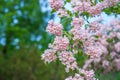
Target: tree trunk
[4, 51]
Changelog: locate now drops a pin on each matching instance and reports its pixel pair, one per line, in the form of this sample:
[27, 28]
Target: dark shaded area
[26, 64]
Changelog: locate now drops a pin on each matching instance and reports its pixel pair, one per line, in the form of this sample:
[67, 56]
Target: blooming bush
[96, 41]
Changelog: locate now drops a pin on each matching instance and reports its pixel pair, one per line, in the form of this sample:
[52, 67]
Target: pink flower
[78, 6]
[94, 26]
[104, 4]
[76, 77]
[62, 13]
[118, 35]
[112, 2]
[75, 2]
[87, 6]
[61, 43]
[94, 51]
[112, 35]
[117, 47]
[49, 55]
[87, 63]
[89, 42]
[118, 26]
[104, 42]
[105, 63]
[117, 64]
[67, 59]
[95, 10]
[54, 28]
[89, 75]
[113, 54]
[56, 4]
[80, 34]
[77, 22]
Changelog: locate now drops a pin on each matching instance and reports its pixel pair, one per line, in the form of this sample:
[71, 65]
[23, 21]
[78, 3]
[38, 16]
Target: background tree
[22, 39]
[22, 22]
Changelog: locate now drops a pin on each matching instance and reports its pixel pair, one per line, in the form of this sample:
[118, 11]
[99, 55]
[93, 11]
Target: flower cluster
[56, 4]
[94, 51]
[54, 28]
[97, 42]
[86, 75]
[62, 13]
[79, 34]
[76, 77]
[117, 46]
[90, 7]
[89, 75]
[67, 59]
[61, 43]
[77, 22]
[49, 55]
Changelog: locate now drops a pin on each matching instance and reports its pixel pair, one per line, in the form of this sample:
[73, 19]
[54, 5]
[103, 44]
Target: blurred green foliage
[26, 64]
[24, 21]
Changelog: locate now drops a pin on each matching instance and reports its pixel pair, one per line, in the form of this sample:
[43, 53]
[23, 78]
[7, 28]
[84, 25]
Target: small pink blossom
[118, 26]
[94, 51]
[89, 75]
[105, 63]
[67, 59]
[77, 22]
[112, 35]
[61, 43]
[104, 42]
[56, 4]
[78, 7]
[117, 47]
[118, 35]
[80, 34]
[49, 55]
[54, 28]
[76, 77]
[113, 54]
[87, 6]
[95, 10]
[117, 64]
[62, 13]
